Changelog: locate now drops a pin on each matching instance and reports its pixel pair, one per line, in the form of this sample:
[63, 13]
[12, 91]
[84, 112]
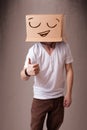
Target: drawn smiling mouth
[44, 34]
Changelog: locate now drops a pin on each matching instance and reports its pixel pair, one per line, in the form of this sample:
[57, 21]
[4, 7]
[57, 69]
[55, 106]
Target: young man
[47, 62]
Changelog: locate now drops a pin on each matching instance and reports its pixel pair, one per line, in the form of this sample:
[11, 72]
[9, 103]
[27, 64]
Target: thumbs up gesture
[32, 69]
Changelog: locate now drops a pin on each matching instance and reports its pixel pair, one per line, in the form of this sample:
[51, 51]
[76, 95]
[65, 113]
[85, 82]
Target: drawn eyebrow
[30, 18]
[57, 19]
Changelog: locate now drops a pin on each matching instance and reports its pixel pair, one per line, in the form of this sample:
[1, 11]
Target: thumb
[29, 61]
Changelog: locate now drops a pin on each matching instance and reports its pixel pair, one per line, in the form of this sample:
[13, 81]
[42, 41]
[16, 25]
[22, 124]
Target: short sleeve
[30, 55]
[68, 55]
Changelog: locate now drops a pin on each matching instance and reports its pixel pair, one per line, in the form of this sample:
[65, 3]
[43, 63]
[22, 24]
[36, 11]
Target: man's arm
[23, 75]
[69, 80]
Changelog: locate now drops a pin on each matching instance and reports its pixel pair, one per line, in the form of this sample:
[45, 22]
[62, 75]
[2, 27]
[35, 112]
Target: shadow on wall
[81, 4]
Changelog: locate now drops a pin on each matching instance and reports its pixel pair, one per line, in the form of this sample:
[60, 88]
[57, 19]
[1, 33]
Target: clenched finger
[35, 65]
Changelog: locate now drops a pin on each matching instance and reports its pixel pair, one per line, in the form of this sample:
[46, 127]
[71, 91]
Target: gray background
[15, 94]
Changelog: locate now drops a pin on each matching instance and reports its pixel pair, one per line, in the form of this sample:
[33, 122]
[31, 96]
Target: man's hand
[32, 69]
[67, 100]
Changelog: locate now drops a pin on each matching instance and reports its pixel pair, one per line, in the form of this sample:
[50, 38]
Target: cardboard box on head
[44, 28]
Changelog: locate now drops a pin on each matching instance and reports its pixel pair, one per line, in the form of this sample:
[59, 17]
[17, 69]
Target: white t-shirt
[50, 82]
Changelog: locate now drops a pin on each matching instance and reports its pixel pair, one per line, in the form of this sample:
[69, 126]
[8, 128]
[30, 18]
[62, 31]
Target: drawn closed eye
[50, 26]
[34, 26]
[53, 26]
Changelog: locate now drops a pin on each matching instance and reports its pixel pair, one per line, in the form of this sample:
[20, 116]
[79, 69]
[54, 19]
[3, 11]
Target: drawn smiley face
[44, 33]
[43, 27]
